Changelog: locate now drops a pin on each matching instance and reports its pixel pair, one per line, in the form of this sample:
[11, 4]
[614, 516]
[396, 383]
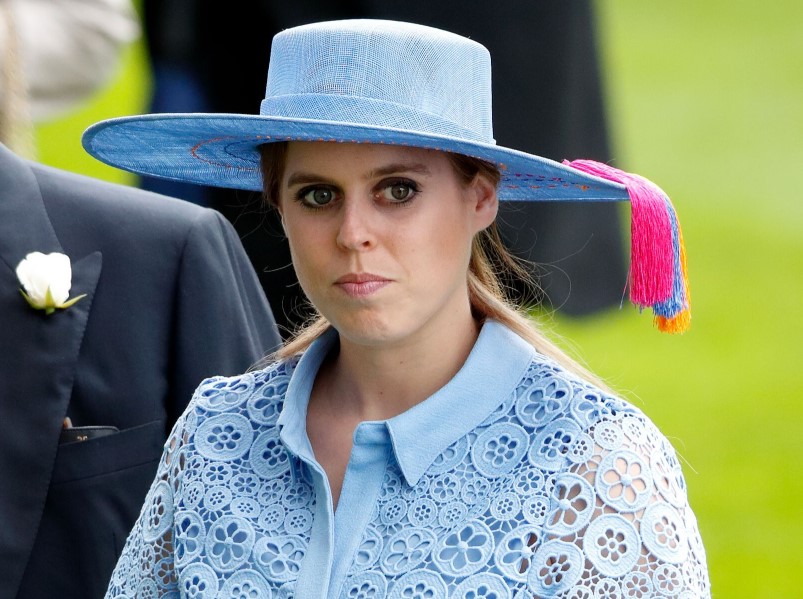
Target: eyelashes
[399, 191]
[315, 197]
[391, 192]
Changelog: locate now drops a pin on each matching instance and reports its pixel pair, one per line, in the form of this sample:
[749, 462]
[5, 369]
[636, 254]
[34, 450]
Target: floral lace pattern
[562, 491]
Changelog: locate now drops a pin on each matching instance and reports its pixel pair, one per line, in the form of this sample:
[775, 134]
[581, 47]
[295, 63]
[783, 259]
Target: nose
[355, 231]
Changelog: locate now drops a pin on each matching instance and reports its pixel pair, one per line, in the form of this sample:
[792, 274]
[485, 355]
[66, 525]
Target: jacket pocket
[129, 448]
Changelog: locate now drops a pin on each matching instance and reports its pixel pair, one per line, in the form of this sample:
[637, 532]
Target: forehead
[352, 157]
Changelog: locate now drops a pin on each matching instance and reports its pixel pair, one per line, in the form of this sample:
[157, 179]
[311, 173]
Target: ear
[485, 202]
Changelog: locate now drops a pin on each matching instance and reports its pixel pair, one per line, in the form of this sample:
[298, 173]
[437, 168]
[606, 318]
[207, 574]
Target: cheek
[307, 251]
[441, 251]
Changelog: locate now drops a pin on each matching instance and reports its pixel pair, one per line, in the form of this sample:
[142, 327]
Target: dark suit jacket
[171, 299]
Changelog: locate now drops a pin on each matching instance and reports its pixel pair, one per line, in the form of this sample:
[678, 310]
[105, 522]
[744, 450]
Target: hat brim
[222, 150]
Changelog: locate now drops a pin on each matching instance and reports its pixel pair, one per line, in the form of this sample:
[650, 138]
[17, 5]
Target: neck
[373, 383]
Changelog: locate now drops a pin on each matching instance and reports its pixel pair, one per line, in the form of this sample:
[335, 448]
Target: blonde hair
[490, 261]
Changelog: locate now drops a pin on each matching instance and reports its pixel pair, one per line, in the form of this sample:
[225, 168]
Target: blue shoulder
[549, 391]
[258, 394]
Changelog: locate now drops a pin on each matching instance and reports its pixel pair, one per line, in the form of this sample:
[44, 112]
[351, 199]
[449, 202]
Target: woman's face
[380, 237]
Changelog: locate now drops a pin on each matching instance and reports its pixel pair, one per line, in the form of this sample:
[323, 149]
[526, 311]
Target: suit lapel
[37, 365]
[24, 224]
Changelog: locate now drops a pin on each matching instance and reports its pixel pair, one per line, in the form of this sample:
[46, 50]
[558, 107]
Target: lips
[361, 284]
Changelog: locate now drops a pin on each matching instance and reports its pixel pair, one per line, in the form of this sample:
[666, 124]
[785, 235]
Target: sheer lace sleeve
[619, 523]
[145, 568]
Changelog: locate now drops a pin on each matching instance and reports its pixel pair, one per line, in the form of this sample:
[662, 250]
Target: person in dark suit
[171, 299]
[555, 109]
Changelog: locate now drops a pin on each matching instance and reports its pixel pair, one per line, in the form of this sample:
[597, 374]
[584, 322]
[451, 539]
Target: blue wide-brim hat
[388, 82]
[364, 81]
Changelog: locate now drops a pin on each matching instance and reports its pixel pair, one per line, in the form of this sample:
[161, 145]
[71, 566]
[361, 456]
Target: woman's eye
[399, 191]
[317, 196]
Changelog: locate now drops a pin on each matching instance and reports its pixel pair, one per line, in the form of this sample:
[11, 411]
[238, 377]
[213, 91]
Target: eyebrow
[400, 167]
[301, 177]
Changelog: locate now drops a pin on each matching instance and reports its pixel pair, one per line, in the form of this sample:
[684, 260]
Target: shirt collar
[292, 421]
[493, 369]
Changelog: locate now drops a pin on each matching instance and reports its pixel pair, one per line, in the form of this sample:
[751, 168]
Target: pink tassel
[656, 277]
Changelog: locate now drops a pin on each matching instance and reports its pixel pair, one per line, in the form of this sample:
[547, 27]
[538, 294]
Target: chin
[368, 328]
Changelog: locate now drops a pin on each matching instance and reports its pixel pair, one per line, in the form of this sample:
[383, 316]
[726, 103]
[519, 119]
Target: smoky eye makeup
[397, 190]
[315, 196]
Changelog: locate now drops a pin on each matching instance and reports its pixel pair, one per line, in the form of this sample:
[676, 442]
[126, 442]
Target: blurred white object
[61, 51]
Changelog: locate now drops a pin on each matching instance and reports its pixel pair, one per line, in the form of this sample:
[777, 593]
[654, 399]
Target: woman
[420, 439]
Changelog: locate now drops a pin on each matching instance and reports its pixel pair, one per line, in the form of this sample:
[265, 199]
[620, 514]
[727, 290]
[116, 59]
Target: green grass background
[707, 99]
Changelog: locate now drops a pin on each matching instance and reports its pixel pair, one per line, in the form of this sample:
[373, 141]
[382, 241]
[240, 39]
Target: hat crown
[382, 74]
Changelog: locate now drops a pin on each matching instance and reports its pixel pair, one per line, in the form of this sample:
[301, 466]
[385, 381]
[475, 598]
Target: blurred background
[705, 98]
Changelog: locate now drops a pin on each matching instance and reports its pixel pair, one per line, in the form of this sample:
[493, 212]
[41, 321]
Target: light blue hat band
[366, 111]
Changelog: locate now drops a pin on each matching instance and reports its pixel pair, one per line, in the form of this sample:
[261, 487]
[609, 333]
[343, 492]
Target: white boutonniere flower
[46, 280]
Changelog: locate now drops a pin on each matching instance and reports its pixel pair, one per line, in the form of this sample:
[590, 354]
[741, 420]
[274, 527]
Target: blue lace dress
[515, 480]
